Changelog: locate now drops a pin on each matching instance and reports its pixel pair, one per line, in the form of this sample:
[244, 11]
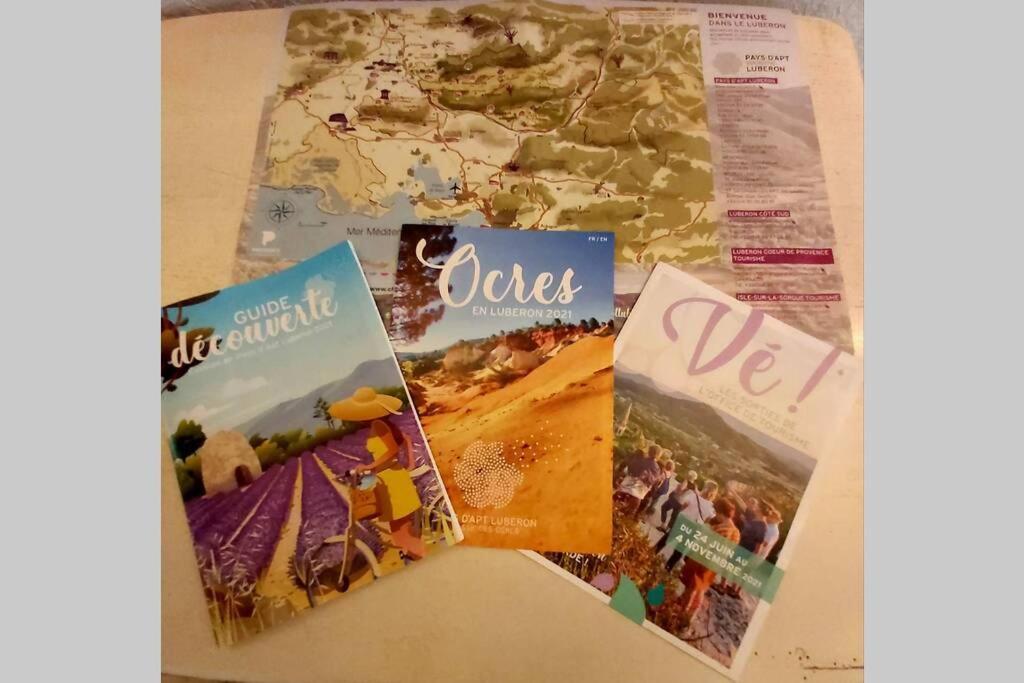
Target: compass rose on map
[280, 211]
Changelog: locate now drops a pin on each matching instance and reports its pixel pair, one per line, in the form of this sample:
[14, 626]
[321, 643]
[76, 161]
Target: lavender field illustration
[300, 460]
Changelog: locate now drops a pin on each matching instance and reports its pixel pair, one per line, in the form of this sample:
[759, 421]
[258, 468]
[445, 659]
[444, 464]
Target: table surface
[474, 614]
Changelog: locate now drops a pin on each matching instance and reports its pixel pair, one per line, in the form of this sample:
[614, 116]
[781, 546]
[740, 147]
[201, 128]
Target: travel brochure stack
[566, 344]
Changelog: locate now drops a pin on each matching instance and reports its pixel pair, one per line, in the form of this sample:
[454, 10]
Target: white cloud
[236, 386]
[322, 285]
[201, 413]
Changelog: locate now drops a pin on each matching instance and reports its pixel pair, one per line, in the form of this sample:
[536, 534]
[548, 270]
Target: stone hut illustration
[228, 462]
[385, 94]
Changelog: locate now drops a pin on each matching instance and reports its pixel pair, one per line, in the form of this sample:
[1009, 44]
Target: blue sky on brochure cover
[589, 254]
[222, 396]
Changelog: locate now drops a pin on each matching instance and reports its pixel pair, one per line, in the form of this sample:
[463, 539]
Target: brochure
[301, 463]
[723, 416]
[506, 340]
[687, 129]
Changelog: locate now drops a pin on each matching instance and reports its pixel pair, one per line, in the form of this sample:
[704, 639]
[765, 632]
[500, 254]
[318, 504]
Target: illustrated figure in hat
[397, 499]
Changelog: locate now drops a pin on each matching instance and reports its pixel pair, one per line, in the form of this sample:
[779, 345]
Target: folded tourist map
[723, 416]
[300, 460]
[506, 339]
[687, 130]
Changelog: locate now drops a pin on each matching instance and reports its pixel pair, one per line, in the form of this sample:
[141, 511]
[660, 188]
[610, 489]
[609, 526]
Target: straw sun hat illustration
[365, 404]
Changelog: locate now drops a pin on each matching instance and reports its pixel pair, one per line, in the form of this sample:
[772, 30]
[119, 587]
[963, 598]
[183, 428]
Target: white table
[472, 614]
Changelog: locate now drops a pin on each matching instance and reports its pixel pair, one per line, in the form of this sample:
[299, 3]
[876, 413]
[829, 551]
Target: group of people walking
[650, 492]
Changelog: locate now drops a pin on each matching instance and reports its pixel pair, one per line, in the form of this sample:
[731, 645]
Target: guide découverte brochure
[299, 457]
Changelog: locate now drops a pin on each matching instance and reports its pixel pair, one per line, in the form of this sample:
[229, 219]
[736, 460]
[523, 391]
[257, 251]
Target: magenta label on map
[788, 296]
[758, 213]
[788, 255]
[760, 80]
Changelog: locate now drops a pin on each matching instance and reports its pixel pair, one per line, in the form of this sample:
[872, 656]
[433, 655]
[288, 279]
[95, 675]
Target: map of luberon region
[533, 115]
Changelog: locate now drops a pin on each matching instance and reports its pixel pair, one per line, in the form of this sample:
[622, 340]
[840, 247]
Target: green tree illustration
[187, 438]
[321, 411]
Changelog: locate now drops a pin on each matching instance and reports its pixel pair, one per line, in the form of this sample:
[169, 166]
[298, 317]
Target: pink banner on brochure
[790, 255]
